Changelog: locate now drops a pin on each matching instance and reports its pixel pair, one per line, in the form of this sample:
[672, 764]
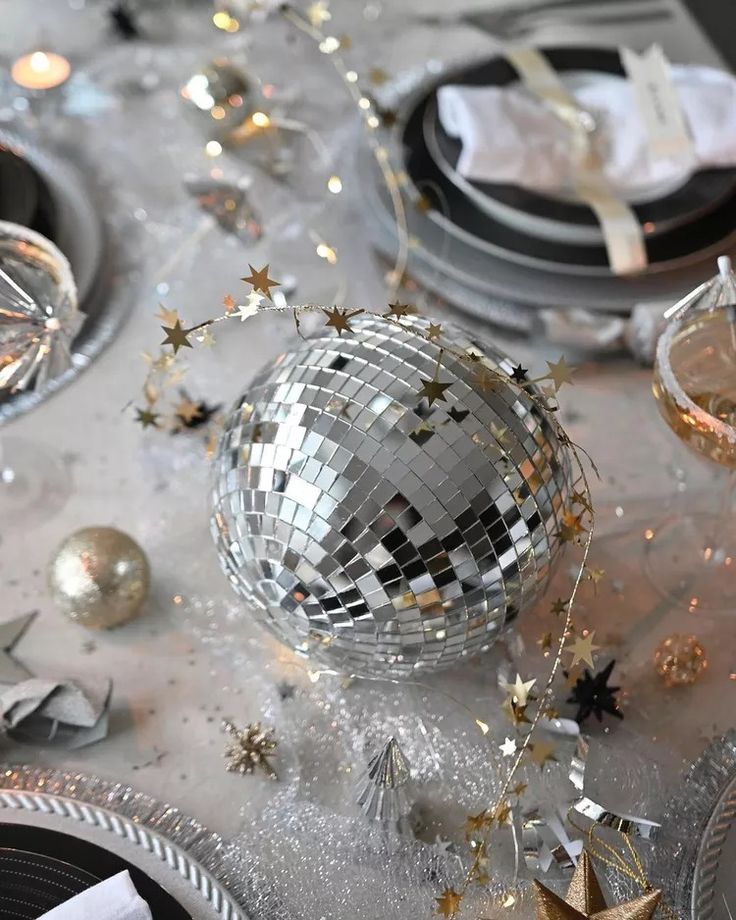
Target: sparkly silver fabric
[366, 543]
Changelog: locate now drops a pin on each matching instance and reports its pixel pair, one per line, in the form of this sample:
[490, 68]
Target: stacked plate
[491, 247]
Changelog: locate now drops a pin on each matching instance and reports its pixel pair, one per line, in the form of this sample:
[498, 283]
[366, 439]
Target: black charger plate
[697, 197]
[457, 215]
[40, 869]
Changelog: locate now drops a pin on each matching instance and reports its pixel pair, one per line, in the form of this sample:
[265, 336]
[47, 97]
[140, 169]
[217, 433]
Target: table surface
[174, 679]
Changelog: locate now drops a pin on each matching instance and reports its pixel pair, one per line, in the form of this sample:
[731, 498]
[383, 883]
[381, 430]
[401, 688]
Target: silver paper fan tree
[39, 314]
[384, 794]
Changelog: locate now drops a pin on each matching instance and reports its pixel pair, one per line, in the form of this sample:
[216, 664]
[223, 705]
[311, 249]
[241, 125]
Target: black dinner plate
[458, 215]
[41, 868]
[699, 195]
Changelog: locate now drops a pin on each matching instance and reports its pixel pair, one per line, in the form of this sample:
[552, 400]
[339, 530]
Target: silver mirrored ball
[373, 533]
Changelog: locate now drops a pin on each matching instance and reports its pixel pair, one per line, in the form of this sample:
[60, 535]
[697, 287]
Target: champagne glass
[691, 558]
[38, 320]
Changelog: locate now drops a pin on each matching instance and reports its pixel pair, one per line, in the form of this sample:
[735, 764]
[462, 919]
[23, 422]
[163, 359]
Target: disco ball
[375, 534]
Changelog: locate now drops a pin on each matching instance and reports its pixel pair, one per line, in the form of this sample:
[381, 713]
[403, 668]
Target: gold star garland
[576, 528]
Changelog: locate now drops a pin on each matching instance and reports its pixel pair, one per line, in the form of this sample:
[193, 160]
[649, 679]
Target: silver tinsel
[372, 533]
[38, 309]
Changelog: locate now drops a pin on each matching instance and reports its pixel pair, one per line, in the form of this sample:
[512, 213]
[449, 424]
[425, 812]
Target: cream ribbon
[622, 232]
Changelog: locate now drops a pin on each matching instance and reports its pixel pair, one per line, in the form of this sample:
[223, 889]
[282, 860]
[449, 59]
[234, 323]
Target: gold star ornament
[584, 899]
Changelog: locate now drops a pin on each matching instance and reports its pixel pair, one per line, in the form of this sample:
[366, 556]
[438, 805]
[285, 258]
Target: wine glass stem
[718, 545]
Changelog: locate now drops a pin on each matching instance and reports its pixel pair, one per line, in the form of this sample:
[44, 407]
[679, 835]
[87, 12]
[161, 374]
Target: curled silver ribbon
[541, 838]
[627, 824]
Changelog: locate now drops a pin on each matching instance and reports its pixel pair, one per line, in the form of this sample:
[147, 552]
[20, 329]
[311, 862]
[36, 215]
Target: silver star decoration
[12, 671]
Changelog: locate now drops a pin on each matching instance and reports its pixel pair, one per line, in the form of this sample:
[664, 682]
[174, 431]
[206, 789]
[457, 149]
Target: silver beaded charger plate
[171, 848]
[714, 880]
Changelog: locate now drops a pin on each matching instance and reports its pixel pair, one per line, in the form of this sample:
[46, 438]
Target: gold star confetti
[503, 813]
[398, 310]
[519, 789]
[187, 410]
[545, 642]
[251, 748]
[582, 650]
[448, 904]
[595, 575]
[176, 336]
[579, 499]
[146, 418]
[319, 13]
[250, 308]
[584, 899]
[560, 373]
[260, 280]
[567, 533]
[574, 521]
[540, 752]
[519, 691]
[433, 389]
[508, 748]
[476, 823]
[206, 339]
[167, 317]
[434, 331]
[339, 319]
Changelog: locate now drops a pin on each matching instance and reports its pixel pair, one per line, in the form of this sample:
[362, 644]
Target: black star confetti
[593, 696]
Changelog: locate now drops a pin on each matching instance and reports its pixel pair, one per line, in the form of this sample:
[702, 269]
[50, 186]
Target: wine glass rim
[671, 384]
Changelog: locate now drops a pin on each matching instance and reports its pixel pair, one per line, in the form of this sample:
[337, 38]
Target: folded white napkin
[510, 136]
[113, 899]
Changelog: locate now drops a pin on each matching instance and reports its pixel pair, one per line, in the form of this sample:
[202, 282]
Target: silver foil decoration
[374, 534]
[38, 309]
[384, 790]
[71, 713]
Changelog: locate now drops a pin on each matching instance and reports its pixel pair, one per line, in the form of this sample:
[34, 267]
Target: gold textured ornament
[584, 898]
[251, 748]
[680, 660]
[99, 577]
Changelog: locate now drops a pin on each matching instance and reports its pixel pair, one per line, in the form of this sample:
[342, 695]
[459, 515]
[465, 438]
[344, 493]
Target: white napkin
[113, 899]
[510, 136]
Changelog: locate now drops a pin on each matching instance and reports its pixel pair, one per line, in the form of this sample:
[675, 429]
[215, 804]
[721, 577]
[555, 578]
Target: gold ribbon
[622, 232]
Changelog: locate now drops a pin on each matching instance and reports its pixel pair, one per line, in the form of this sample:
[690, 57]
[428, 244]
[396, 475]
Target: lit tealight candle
[40, 70]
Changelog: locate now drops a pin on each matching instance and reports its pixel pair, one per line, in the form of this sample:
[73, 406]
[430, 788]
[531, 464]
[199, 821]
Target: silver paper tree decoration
[384, 793]
[38, 309]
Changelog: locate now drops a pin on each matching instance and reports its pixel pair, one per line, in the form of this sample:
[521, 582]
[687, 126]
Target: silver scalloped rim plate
[714, 885]
[152, 852]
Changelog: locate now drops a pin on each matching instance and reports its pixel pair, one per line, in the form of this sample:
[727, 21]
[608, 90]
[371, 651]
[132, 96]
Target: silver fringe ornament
[384, 795]
[38, 309]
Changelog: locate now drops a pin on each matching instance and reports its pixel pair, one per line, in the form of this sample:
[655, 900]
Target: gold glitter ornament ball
[99, 577]
[680, 660]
